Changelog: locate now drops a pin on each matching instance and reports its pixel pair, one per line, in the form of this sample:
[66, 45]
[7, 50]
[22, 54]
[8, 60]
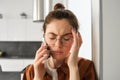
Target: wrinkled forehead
[59, 27]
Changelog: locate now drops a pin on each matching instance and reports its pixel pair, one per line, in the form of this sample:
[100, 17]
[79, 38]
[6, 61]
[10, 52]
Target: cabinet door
[34, 31]
[11, 65]
[15, 27]
[16, 32]
[27, 62]
[3, 30]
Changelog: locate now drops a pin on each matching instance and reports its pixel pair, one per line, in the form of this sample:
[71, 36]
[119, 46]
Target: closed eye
[66, 39]
[52, 38]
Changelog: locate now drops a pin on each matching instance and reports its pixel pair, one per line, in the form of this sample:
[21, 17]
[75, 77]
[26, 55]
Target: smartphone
[44, 42]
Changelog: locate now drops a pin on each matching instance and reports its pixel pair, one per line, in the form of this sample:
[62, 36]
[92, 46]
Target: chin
[58, 58]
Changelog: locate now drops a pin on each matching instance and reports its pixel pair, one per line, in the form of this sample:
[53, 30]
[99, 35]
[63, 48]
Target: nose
[58, 43]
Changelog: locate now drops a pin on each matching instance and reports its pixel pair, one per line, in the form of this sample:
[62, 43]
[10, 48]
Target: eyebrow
[61, 35]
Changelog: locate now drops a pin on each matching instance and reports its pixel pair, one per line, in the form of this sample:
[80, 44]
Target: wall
[82, 10]
[15, 28]
[111, 39]
[105, 19]
[96, 37]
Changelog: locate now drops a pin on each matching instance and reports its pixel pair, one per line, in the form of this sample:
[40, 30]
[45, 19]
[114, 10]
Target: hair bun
[59, 6]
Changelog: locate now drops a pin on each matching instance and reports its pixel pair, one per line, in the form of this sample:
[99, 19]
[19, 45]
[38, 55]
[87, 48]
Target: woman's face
[59, 38]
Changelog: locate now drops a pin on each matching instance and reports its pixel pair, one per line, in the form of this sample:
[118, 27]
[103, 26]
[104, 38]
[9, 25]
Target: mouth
[57, 52]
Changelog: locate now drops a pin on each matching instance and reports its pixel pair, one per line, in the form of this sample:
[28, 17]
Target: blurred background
[21, 34]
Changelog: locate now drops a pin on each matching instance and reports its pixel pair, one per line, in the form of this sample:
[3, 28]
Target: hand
[41, 56]
[73, 56]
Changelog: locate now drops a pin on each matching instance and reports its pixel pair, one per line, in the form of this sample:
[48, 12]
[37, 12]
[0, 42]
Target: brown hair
[60, 13]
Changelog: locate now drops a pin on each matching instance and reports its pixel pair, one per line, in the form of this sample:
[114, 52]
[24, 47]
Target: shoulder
[28, 72]
[85, 64]
[87, 69]
[29, 68]
[84, 61]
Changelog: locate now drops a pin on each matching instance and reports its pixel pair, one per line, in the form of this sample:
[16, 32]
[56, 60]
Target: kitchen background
[20, 36]
[17, 22]
[105, 34]
[17, 49]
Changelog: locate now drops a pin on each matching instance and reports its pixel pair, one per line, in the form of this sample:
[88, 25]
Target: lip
[58, 52]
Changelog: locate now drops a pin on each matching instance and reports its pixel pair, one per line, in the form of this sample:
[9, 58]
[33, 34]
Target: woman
[63, 40]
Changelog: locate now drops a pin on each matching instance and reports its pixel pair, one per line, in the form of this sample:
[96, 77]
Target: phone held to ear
[44, 43]
[50, 70]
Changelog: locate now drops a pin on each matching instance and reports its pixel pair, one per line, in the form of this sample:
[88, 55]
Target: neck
[55, 63]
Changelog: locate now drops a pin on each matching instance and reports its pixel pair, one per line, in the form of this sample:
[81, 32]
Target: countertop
[14, 64]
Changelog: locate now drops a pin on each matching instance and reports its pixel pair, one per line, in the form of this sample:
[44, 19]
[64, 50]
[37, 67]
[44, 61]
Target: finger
[74, 35]
[41, 48]
[38, 52]
[41, 61]
[74, 40]
[79, 39]
[41, 54]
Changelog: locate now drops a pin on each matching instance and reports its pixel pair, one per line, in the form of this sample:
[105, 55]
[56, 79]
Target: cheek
[67, 48]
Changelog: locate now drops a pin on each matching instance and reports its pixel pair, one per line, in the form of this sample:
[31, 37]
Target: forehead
[58, 27]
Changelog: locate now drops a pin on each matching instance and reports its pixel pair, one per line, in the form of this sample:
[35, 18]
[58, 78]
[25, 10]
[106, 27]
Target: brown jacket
[86, 70]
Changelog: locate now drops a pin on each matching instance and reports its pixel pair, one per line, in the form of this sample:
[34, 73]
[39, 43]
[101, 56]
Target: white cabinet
[3, 30]
[16, 32]
[34, 31]
[15, 28]
[27, 62]
[13, 65]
